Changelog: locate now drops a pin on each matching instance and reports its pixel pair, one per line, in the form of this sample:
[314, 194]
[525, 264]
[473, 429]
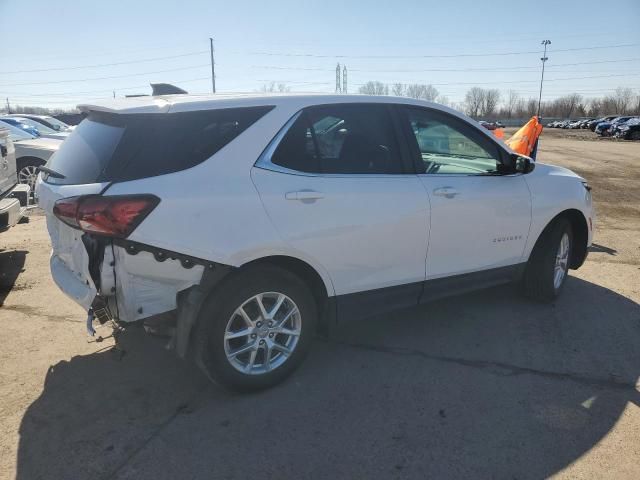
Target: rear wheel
[256, 329]
[548, 265]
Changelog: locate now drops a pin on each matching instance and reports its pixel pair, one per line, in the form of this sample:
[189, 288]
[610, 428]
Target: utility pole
[8, 106]
[338, 88]
[544, 59]
[344, 79]
[213, 68]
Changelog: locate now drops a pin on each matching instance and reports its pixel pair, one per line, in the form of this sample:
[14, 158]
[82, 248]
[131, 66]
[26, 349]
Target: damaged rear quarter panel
[145, 286]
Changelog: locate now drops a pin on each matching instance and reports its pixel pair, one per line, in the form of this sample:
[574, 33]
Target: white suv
[256, 220]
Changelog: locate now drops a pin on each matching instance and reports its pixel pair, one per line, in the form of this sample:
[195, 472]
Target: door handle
[303, 195]
[447, 192]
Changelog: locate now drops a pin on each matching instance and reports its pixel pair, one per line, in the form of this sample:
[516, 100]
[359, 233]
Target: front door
[480, 212]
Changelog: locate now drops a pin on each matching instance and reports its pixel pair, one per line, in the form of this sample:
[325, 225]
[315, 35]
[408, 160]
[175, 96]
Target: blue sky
[299, 43]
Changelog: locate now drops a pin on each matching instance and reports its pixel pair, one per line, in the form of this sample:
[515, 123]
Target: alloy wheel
[562, 261]
[262, 333]
[28, 174]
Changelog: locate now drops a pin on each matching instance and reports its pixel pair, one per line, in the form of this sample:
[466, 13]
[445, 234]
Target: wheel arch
[29, 160]
[301, 269]
[580, 230]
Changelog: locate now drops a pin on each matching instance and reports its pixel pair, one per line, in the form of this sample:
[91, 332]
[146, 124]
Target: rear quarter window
[108, 147]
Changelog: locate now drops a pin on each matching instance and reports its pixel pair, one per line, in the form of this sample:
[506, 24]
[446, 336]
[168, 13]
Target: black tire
[27, 162]
[538, 281]
[220, 307]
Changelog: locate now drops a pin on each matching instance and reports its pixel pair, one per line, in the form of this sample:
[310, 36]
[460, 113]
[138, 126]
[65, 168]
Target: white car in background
[31, 152]
[43, 130]
[255, 220]
[46, 120]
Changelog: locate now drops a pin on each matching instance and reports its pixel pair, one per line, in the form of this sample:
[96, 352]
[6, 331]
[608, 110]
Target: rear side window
[342, 139]
[113, 148]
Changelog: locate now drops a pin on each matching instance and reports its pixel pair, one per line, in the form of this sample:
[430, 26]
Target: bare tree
[512, 103]
[275, 87]
[565, 106]
[422, 92]
[532, 107]
[374, 88]
[490, 102]
[474, 99]
[398, 89]
[623, 97]
[444, 100]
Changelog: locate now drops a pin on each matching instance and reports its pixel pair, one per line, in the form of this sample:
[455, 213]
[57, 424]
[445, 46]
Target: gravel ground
[486, 385]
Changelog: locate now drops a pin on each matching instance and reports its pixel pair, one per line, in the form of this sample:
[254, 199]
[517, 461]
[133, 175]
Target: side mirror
[56, 127]
[522, 164]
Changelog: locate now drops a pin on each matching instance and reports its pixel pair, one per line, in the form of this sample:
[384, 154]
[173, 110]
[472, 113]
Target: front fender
[555, 190]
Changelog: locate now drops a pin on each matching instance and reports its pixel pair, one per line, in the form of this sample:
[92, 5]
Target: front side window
[446, 147]
[341, 139]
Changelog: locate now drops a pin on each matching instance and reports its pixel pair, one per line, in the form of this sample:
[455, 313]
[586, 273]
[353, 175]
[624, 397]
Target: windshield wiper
[51, 173]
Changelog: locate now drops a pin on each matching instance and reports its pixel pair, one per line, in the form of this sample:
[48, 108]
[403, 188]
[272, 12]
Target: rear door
[336, 187]
[480, 211]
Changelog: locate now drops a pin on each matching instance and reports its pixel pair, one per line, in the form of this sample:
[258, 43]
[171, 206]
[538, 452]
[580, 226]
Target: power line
[457, 55]
[103, 78]
[428, 70]
[79, 67]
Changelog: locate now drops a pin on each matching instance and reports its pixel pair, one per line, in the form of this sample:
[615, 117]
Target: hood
[557, 171]
[41, 143]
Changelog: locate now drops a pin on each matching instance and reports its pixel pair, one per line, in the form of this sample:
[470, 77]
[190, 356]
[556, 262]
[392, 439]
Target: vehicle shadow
[483, 385]
[596, 248]
[11, 265]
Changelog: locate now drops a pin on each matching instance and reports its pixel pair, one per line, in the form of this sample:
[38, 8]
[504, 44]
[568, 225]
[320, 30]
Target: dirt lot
[486, 386]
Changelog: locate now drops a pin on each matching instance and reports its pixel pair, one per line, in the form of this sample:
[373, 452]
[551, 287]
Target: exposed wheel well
[580, 235]
[22, 161]
[307, 273]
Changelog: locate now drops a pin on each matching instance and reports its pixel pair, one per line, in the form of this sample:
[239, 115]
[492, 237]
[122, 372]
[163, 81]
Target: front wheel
[548, 266]
[256, 329]
[28, 172]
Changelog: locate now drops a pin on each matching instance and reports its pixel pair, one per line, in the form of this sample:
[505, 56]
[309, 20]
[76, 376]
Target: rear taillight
[115, 216]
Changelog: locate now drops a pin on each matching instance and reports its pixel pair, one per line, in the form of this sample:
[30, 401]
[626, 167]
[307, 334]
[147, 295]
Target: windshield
[55, 121]
[41, 128]
[16, 133]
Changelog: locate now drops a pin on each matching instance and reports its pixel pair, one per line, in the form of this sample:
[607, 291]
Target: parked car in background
[47, 121]
[42, 130]
[593, 124]
[574, 124]
[306, 224]
[31, 152]
[12, 122]
[14, 197]
[605, 128]
[585, 122]
[629, 130]
[564, 123]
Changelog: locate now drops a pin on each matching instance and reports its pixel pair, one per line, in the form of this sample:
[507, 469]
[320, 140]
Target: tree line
[491, 104]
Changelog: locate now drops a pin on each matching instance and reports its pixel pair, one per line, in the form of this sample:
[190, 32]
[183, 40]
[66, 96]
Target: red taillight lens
[115, 216]
[66, 210]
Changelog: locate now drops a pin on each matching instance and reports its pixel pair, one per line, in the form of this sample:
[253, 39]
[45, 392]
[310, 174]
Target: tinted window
[113, 147]
[349, 139]
[448, 146]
